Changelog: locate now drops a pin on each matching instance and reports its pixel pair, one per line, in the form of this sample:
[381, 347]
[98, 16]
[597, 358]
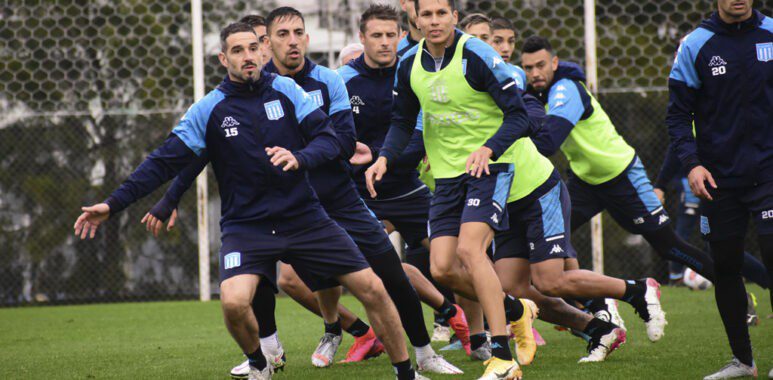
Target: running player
[261, 133]
[286, 31]
[605, 171]
[403, 203]
[721, 81]
[467, 207]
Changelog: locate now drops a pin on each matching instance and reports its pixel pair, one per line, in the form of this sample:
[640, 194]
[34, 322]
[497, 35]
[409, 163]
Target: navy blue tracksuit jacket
[723, 79]
[231, 126]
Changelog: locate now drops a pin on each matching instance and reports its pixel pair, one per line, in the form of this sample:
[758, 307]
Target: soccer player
[503, 41]
[261, 133]
[339, 197]
[420, 257]
[404, 201]
[721, 81]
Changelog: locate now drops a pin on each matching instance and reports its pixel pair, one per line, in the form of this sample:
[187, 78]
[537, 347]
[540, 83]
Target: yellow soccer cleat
[525, 344]
[498, 369]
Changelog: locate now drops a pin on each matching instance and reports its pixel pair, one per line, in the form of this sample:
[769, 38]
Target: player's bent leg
[474, 238]
[236, 295]
[370, 291]
[330, 342]
[447, 268]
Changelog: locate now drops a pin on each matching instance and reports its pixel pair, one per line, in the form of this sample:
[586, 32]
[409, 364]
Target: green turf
[188, 340]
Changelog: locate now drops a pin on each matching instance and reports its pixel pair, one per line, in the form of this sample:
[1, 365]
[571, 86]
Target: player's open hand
[154, 224]
[698, 177]
[362, 155]
[477, 163]
[283, 157]
[374, 174]
[89, 221]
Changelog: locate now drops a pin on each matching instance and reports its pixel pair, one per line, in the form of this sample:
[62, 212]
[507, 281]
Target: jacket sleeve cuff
[691, 162]
[115, 205]
[496, 151]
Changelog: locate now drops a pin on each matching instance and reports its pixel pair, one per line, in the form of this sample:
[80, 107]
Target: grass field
[189, 340]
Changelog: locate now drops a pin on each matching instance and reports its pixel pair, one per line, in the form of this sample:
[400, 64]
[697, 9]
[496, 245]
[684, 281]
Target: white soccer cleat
[656, 325]
[326, 350]
[733, 370]
[481, 353]
[441, 333]
[275, 360]
[265, 374]
[614, 313]
[437, 364]
[770, 374]
[598, 350]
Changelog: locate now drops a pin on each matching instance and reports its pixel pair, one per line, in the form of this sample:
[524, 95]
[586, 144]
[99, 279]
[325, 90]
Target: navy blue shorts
[629, 198]
[362, 226]
[318, 253]
[728, 214]
[539, 225]
[408, 213]
[465, 199]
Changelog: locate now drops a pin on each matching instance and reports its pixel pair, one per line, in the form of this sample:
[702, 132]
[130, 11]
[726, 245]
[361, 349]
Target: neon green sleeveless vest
[459, 119]
[596, 152]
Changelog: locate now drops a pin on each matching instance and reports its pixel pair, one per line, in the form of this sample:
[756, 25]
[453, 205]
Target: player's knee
[371, 290]
[515, 289]
[550, 286]
[289, 284]
[443, 274]
[235, 308]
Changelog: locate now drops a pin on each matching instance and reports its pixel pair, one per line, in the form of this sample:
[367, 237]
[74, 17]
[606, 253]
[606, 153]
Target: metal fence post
[596, 230]
[201, 182]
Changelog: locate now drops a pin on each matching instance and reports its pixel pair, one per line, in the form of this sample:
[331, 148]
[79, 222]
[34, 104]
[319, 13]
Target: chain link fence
[87, 89]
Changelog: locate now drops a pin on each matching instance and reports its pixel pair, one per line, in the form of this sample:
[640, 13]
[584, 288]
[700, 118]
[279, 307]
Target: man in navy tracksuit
[722, 79]
[261, 133]
[338, 195]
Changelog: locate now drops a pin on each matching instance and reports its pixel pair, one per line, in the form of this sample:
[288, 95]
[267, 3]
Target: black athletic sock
[730, 295]
[257, 359]
[634, 295]
[595, 305]
[387, 266]
[358, 328]
[404, 370]
[264, 306]
[671, 247]
[477, 340]
[333, 328]
[513, 308]
[597, 327]
[500, 347]
[445, 312]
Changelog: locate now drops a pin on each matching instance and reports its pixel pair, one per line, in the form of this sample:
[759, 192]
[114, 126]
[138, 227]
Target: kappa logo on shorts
[556, 249]
[495, 219]
[232, 260]
[638, 221]
[274, 110]
[662, 219]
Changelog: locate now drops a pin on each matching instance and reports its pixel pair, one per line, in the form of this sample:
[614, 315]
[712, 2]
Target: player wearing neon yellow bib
[474, 122]
[605, 172]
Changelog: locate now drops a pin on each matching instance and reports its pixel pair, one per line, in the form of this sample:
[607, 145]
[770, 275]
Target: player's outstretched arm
[322, 146]
[166, 207]
[87, 223]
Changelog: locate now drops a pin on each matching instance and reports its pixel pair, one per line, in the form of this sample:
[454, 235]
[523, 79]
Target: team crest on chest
[439, 92]
[765, 52]
[316, 96]
[274, 110]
